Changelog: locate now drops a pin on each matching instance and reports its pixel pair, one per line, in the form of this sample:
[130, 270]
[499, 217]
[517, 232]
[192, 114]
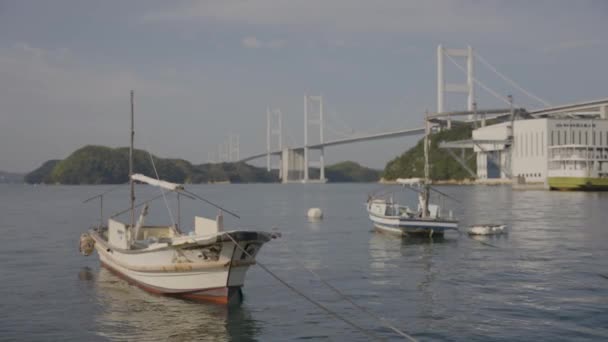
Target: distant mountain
[105, 165]
[11, 177]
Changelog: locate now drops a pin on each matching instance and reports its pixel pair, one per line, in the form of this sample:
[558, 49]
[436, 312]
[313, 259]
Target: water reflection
[128, 313]
[382, 250]
[86, 274]
[424, 240]
[391, 256]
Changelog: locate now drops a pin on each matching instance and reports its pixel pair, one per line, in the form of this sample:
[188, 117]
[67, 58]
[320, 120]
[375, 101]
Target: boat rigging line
[208, 202]
[308, 298]
[137, 205]
[162, 191]
[100, 196]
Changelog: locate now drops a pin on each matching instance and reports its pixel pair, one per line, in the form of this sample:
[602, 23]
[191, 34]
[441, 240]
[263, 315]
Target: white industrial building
[525, 152]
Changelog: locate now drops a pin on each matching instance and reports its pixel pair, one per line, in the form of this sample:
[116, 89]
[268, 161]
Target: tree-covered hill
[105, 165]
[442, 165]
[43, 173]
[349, 171]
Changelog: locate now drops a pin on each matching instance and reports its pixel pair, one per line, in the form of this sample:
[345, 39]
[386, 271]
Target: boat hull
[221, 295]
[405, 226]
[578, 183]
[180, 272]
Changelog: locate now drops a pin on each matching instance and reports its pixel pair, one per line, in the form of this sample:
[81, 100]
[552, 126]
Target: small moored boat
[427, 218]
[487, 229]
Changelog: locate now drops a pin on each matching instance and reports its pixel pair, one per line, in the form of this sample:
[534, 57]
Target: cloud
[57, 76]
[54, 102]
[341, 15]
[574, 44]
[252, 42]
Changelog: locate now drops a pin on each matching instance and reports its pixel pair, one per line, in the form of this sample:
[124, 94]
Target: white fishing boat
[390, 217]
[209, 263]
[487, 229]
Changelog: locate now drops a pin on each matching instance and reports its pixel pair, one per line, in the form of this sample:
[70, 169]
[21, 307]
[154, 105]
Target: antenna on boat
[100, 196]
[131, 182]
[426, 193]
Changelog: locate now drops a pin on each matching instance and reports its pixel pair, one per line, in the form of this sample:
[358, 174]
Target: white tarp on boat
[160, 183]
[410, 181]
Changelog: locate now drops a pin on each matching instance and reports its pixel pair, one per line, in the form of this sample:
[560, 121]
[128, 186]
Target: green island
[105, 165]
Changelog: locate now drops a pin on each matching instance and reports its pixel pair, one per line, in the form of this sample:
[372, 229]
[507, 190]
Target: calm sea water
[546, 280]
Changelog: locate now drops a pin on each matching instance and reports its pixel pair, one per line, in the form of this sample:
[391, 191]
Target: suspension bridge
[295, 161]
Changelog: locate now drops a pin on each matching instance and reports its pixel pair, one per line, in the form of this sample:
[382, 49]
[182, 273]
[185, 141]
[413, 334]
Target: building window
[586, 138]
[551, 142]
[565, 138]
[579, 137]
[559, 138]
[593, 141]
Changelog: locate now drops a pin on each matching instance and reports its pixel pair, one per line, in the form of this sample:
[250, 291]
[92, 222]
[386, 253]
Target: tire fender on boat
[87, 244]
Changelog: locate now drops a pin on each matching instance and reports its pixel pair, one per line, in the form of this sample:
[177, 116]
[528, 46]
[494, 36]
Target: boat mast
[131, 183]
[426, 192]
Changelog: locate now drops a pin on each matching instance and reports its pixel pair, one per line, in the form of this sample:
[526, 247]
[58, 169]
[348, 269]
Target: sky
[203, 70]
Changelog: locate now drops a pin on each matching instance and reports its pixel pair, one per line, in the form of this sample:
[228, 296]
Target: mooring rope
[380, 319]
[308, 298]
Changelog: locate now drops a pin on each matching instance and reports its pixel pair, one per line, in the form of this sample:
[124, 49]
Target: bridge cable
[510, 81]
[303, 295]
[483, 86]
[333, 114]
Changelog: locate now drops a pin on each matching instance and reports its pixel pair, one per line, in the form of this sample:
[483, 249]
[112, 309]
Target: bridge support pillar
[322, 165]
[292, 165]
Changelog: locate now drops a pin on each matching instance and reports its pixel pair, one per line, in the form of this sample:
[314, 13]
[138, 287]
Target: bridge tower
[274, 129]
[234, 148]
[443, 87]
[313, 116]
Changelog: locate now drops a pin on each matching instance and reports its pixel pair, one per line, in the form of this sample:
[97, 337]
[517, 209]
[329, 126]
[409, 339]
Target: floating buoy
[315, 213]
[487, 229]
[87, 244]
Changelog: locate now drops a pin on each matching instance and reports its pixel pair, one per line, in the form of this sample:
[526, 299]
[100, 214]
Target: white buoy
[315, 213]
